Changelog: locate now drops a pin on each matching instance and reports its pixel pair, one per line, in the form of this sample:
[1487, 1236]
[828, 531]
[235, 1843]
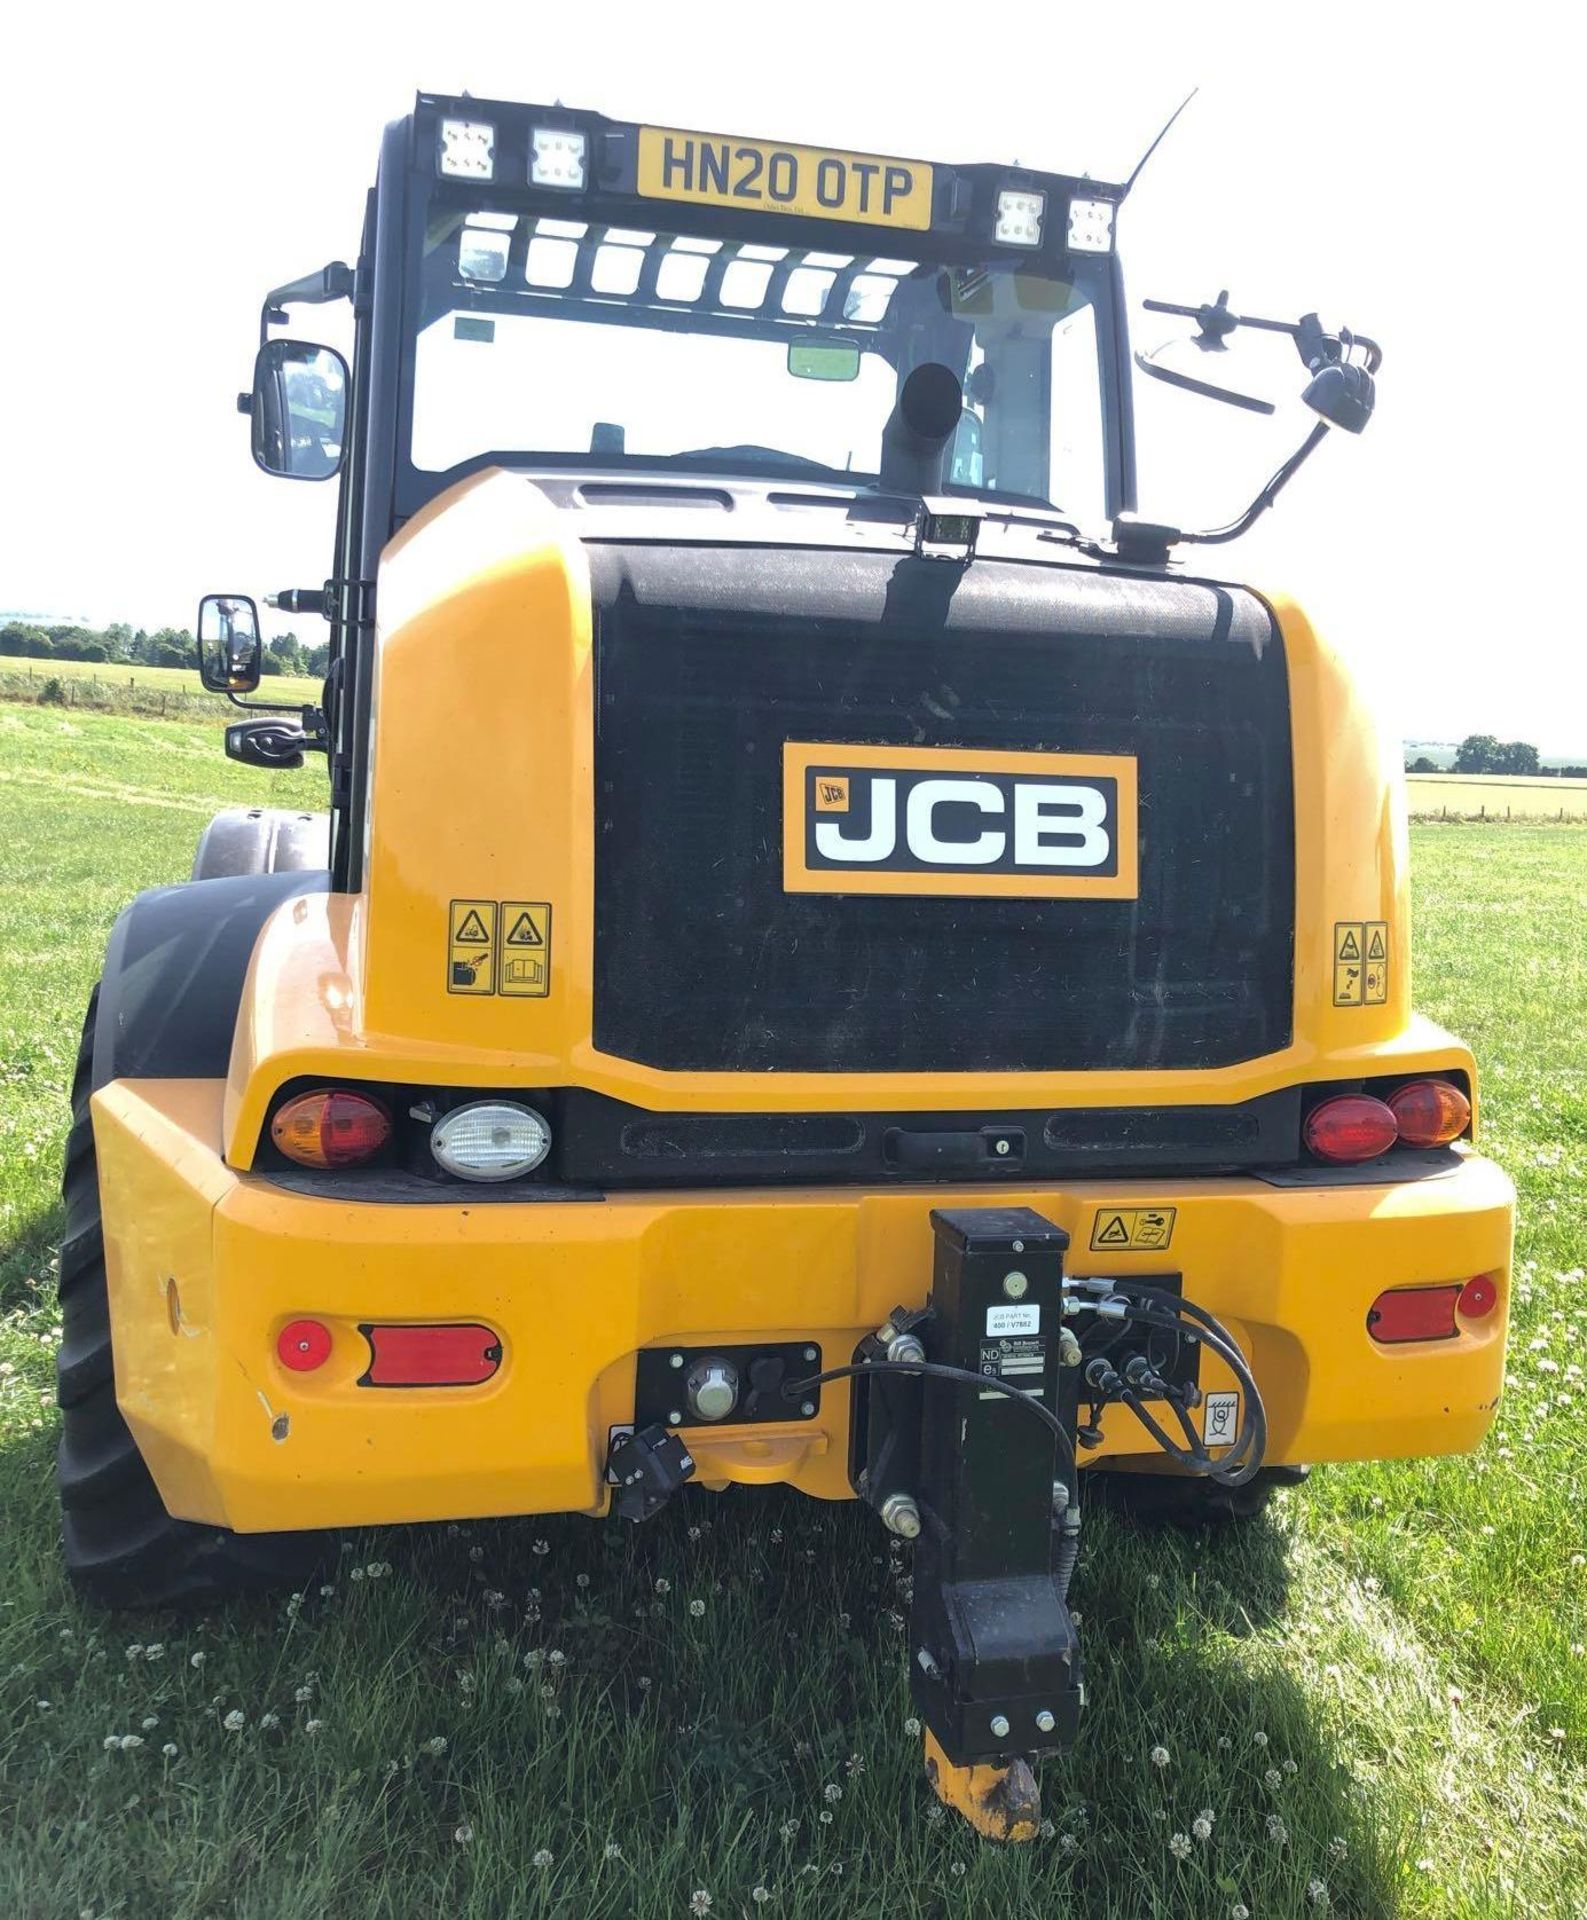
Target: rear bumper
[207, 1265]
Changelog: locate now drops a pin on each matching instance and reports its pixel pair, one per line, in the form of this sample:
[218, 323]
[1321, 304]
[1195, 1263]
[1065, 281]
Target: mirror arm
[332, 282]
[1219, 536]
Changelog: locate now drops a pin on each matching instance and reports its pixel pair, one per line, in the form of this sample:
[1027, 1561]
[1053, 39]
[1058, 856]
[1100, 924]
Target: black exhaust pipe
[919, 428]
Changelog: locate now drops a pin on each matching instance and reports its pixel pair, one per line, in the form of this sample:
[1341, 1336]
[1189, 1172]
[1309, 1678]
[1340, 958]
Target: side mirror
[299, 409]
[1343, 394]
[228, 643]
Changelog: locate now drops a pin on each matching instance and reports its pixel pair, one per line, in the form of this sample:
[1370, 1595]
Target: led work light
[468, 150]
[1090, 226]
[557, 157]
[1019, 217]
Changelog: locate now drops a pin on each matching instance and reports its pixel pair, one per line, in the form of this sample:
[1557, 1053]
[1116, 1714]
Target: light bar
[1019, 217]
[1090, 226]
[557, 157]
[468, 150]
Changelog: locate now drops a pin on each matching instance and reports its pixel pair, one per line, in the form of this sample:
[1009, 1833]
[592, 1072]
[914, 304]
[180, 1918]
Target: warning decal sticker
[1133, 1229]
[526, 948]
[471, 947]
[1361, 963]
[499, 947]
[1220, 1419]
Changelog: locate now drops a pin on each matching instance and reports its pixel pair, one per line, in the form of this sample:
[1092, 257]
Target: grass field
[1498, 796]
[1379, 1694]
[150, 692]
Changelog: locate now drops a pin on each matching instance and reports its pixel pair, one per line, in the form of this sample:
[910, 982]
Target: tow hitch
[951, 1455]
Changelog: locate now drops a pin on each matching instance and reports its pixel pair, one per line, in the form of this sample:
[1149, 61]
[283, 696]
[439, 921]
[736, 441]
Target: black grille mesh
[708, 659]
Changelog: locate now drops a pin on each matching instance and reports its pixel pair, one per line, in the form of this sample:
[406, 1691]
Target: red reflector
[1413, 1313]
[1478, 1297]
[330, 1128]
[1430, 1113]
[1350, 1127]
[431, 1356]
[303, 1345]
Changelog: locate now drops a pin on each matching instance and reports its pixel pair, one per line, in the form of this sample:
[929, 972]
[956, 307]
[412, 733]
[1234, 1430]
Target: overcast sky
[162, 166]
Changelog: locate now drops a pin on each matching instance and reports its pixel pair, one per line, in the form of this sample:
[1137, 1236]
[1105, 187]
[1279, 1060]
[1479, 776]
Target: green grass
[151, 692]
[1402, 1645]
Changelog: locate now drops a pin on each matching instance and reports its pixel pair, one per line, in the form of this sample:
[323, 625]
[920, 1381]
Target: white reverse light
[490, 1140]
[557, 157]
[468, 149]
[1090, 226]
[1019, 217]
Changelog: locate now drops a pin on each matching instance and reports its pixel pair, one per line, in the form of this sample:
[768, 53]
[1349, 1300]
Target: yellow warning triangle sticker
[1114, 1234]
[473, 931]
[1349, 948]
[1375, 947]
[525, 933]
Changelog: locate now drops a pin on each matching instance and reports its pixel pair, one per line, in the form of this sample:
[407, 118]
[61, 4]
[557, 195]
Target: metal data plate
[661, 1374]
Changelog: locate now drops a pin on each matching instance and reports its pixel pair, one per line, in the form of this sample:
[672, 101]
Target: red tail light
[331, 1128]
[1413, 1313]
[1430, 1113]
[1350, 1127]
[434, 1356]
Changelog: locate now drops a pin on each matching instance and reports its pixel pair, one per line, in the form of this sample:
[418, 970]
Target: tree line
[120, 645]
[1486, 753]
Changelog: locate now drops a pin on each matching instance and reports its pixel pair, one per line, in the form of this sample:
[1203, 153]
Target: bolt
[1045, 1721]
[812, 1353]
[999, 1726]
[676, 1360]
[906, 1346]
[900, 1515]
[1001, 1147]
[675, 1418]
[1015, 1285]
[808, 1409]
[1019, 1246]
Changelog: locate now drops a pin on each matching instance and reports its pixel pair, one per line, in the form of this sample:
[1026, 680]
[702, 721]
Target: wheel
[122, 1548]
[1186, 1500]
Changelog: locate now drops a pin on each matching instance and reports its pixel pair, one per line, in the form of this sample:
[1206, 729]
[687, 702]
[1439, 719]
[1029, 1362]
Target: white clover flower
[1272, 1779]
[1290, 1767]
[1317, 1892]
[1277, 1832]
[435, 1744]
[694, 1533]
[697, 1608]
[1047, 1829]
[169, 1750]
[1179, 1845]
[935, 1812]
[355, 1573]
[267, 1721]
[135, 1651]
[1337, 1848]
[854, 1764]
[44, 1706]
[1260, 1739]
[1201, 1828]
[155, 1651]
[912, 1726]
[542, 1547]
[613, 1851]
[303, 1695]
[111, 1742]
[235, 1721]
[1158, 1756]
[556, 1658]
[825, 1816]
[1067, 1843]
[465, 1833]
[957, 1868]
[832, 1792]
[130, 1742]
[760, 1895]
[476, 1554]
[313, 1726]
[699, 1901]
[543, 1857]
[581, 1579]
[150, 1722]
[663, 1585]
[326, 1591]
[776, 1536]
[1239, 1911]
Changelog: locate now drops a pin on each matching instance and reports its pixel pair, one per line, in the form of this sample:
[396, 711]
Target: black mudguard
[262, 840]
[174, 973]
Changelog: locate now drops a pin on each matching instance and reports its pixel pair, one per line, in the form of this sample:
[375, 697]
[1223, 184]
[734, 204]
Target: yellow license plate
[714, 170]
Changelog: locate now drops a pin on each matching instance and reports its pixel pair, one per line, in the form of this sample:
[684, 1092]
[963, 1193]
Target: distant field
[1497, 796]
[162, 679]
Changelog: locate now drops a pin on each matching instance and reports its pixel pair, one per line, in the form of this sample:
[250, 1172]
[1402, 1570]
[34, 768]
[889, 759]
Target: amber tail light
[331, 1128]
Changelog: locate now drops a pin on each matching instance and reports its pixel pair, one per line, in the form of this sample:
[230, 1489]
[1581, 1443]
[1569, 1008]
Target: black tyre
[122, 1548]
[1185, 1500]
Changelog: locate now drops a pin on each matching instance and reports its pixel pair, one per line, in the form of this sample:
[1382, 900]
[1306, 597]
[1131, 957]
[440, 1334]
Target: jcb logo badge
[952, 820]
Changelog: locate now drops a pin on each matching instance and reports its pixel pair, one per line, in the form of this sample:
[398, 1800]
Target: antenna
[1141, 163]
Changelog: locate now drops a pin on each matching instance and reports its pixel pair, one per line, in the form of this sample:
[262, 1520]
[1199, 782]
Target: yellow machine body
[482, 788]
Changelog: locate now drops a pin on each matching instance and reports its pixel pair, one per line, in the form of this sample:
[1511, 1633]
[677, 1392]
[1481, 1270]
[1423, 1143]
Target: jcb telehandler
[836, 956]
